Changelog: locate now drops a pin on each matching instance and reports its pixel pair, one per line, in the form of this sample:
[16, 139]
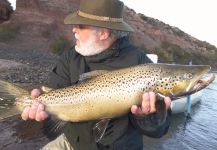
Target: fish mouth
[198, 83]
[202, 83]
[201, 80]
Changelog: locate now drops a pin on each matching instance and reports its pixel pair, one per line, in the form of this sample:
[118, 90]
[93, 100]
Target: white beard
[88, 48]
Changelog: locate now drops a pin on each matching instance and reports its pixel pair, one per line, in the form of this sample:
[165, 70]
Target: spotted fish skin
[113, 93]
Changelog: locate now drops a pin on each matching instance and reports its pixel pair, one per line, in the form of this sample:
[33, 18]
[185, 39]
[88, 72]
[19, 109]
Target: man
[101, 44]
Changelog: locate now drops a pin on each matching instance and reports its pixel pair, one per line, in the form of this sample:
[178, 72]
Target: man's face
[87, 40]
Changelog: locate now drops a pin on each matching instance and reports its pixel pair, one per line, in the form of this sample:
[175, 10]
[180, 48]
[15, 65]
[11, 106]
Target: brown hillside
[39, 24]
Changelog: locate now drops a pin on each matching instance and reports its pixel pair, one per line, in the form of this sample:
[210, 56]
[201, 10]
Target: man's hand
[148, 105]
[36, 110]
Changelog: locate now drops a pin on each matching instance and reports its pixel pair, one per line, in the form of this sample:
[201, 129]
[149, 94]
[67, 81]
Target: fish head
[180, 80]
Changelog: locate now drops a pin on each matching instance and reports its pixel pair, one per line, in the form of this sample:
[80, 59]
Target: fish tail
[8, 95]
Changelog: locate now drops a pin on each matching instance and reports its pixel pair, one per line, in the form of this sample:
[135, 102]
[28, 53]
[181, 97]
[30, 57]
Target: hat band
[99, 18]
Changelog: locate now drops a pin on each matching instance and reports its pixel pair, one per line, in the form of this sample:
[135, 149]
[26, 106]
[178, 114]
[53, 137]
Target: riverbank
[34, 65]
[27, 68]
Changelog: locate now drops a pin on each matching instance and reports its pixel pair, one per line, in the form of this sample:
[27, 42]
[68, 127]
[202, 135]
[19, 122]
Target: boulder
[5, 10]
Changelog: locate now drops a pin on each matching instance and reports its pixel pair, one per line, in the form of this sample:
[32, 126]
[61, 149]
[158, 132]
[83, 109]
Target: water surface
[196, 133]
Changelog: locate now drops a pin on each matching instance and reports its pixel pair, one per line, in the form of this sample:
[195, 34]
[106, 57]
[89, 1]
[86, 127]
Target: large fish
[102, 95]
[108, 94]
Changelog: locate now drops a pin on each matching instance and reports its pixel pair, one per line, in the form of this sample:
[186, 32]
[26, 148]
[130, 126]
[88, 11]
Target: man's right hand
[36, 111]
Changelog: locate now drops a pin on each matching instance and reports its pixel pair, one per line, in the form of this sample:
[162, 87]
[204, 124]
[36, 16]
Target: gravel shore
[28, 68]
[36, 65]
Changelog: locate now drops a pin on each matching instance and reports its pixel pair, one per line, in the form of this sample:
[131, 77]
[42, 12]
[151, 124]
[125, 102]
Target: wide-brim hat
[100, 13]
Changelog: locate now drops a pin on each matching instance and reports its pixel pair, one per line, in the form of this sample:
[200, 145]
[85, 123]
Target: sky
[195, 17]
[13, 3]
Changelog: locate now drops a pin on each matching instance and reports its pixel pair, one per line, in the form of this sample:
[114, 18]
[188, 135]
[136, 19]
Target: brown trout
[109, 94]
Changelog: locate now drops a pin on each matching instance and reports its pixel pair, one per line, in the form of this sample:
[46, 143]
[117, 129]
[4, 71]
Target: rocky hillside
[39, 24]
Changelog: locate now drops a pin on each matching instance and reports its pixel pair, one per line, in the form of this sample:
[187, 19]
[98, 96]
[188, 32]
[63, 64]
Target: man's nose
[75, 28]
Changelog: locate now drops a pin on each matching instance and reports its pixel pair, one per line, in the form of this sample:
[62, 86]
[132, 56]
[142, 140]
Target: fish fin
[12, 89]
[8, 112]
[100, 128]
[91, 74]
[46, 89]
[8, 94]
[53, 127]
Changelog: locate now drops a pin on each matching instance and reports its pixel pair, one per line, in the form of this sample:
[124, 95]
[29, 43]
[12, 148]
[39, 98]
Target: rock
[5, 10]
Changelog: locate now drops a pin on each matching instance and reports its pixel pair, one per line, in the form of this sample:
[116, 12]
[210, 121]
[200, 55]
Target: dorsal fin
[91, 74]
[46, 89]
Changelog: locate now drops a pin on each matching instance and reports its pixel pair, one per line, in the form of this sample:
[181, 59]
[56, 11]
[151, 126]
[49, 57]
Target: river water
[196, 133]
[199, 132]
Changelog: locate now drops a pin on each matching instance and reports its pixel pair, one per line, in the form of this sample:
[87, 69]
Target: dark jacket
[122, 133]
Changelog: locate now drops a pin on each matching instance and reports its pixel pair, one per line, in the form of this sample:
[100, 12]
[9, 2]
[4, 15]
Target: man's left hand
[148, 105]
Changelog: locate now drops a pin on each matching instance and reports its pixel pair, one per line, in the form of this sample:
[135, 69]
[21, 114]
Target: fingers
[148, 104]
[168, 102]
[25, 113]
[33, 110]
[145, 107]
[152, 102]
[41, 114]
[35, 93]
[135, 109]
[36, 110]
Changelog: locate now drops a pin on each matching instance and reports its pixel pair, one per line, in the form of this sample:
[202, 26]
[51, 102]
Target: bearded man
[101, 44]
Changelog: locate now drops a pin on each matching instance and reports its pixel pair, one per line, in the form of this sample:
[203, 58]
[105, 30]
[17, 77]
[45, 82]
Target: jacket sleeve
[150, 124]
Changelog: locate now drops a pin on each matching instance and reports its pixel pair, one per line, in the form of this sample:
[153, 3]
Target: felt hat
[100, 13]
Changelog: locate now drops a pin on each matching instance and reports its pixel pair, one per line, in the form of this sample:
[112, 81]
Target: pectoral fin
[52, 127]
[100, 128]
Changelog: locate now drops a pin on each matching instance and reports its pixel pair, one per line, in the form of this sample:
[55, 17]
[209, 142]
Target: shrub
[174, 53]
[46, 33]
[143, 17]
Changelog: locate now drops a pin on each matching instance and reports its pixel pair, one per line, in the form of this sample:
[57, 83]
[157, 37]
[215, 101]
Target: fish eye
[188, 76]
